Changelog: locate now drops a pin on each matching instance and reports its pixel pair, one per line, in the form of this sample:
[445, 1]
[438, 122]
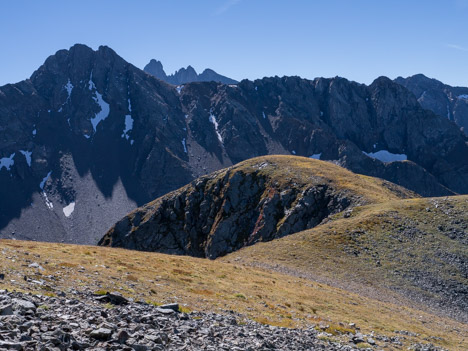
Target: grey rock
[23, 304]
[36, 265]
[7, 345]
[171, 306]
[101, 334]
[113, 298]
[165, 310]
[6, 310]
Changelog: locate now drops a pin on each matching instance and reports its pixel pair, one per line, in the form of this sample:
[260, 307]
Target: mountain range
[185, 75]
[325, 206]
[89, 137]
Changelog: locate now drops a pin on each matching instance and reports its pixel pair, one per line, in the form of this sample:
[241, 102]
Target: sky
[356, 39]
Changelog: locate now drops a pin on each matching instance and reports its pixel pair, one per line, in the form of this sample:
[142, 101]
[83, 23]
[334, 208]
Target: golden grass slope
[200, 284]
[411, 252]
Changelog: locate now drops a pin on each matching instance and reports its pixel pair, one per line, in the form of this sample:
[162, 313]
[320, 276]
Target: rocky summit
[257, 200]
[89, 137]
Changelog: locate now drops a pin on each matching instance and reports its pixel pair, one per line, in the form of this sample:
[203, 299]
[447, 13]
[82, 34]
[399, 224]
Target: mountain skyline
[249, 40]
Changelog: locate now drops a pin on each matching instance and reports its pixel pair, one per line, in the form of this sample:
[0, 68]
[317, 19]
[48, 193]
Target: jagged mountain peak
[185, 75]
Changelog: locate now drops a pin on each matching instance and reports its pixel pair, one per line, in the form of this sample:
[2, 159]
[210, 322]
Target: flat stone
[101, 334]
[7, 345]
[170, 306]
[165, 310]
[24, 304]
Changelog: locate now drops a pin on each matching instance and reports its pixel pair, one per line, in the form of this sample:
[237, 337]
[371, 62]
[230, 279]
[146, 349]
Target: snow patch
[184, 145]
[316, 156]
[44, 180]
[68, 210]
[69, 88]
[129, 105]
[91, 85]
[103, 114]
[293, 152]
[179, 88]
[264, 115]
[34, 132]
[256, 88]
[464, 96]
[49, 203]
[321, 113]
[448, 111]
[7, 162]
[128, 126]
[215, 123]
[27, 156]
[386, 156]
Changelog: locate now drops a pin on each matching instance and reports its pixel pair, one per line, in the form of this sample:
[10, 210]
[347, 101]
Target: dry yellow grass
[266, 296]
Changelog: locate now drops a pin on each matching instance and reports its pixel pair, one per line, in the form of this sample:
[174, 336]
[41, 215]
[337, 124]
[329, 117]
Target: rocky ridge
[444, 100]
[185, 75]
[80, 322]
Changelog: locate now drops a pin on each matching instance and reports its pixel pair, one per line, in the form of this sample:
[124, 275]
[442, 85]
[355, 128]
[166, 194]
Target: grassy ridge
[414, 248]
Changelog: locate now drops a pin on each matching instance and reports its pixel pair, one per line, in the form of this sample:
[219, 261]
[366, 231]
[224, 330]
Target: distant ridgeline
[185, 75]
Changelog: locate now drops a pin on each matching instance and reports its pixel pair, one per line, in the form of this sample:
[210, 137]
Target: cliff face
[257, 200]
[444, 100]
[90, 137]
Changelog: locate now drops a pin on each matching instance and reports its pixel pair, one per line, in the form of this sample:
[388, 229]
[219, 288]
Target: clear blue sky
[356, 39]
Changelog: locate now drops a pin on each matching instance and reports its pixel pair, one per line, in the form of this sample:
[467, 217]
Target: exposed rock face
[185, 75]
[442, 99]
[90, 137]
[257, 200]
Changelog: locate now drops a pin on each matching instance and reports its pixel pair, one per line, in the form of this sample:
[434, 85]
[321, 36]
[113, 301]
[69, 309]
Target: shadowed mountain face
[185, 75]
[444, 100]
[89, 137]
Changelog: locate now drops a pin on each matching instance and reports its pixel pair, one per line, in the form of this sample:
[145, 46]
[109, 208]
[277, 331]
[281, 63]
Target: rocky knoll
[444, 100]
[257, 200]
[89, 137]
[79, 322]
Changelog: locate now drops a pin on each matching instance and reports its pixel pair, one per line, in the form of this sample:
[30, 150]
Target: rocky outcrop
[185, 75]
[257, 200]
[444, 100]
[90, 137]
